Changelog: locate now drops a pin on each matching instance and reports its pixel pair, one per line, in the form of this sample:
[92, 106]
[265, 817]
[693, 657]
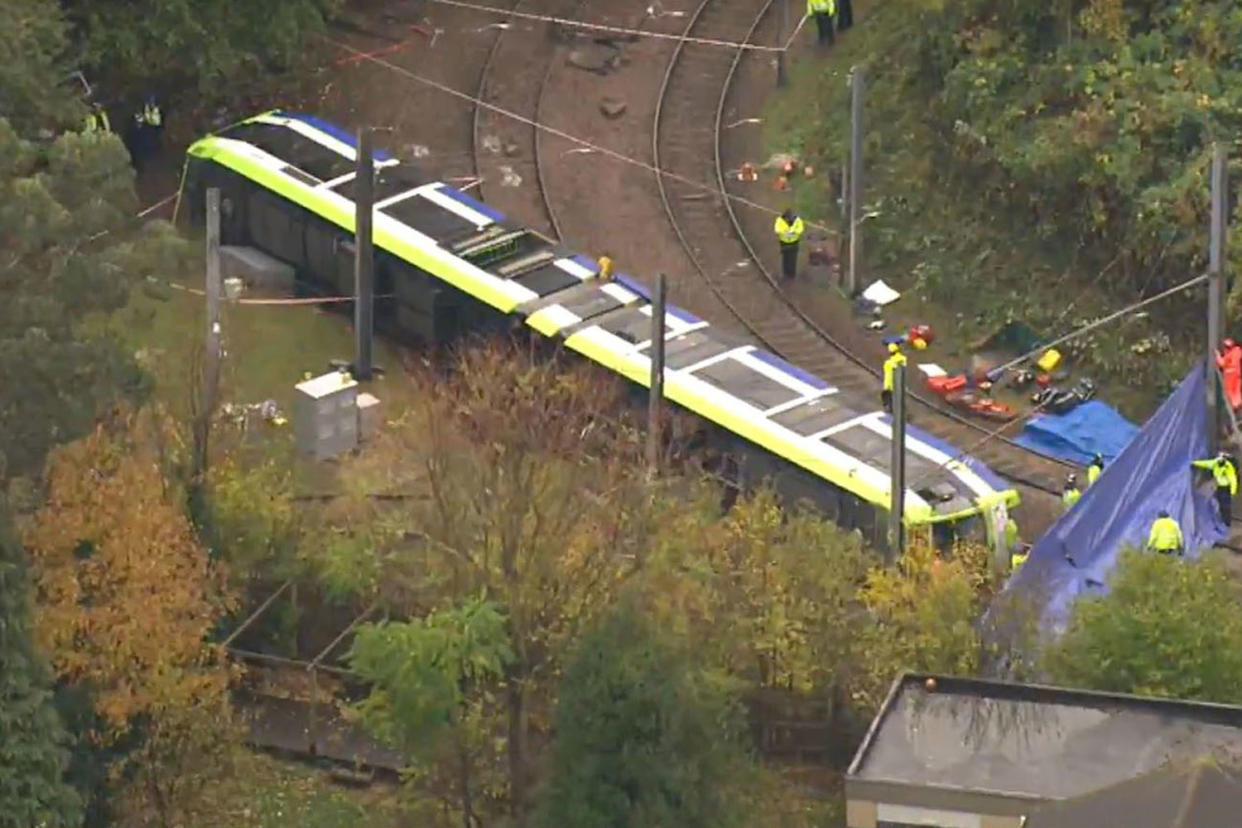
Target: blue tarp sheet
[1152, 473]
[1077, 435]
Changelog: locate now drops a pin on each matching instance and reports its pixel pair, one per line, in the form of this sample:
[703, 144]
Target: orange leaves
[126, 595]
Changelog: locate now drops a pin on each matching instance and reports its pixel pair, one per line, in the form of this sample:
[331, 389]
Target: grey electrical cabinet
[325, 415]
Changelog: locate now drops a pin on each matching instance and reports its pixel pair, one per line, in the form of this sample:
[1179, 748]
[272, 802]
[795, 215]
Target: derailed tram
[457, 266]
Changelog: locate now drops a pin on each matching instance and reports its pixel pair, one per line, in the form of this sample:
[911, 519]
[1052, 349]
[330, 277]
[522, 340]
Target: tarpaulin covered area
[1152, 473]
[1089, 429]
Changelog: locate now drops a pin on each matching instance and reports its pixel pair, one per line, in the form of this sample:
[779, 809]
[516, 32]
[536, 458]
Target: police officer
[845, 15]
[789, 228]
[1095, 470]
[1071, 493]
[147, 130]
[1165, 535]
[895, 358]
[97, 120]
[822, 11]
[1226, 477]
[1018, 557]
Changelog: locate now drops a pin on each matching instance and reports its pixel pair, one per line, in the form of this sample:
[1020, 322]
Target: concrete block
[257, 269]
[368, 415]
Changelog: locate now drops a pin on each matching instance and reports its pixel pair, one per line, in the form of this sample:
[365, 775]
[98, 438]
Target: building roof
[1198, 794]
[1030, 741]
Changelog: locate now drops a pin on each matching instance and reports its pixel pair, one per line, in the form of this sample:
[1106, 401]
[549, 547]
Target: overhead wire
[589, 146]
[1074, 334]
[604, 27]
[583, 144]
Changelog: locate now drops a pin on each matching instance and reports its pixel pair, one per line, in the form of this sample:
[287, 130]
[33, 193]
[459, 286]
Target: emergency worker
[1226, 477]
[1071, 493]
[1165, 536]
[823, 12]
[895, 358]
[789, 228]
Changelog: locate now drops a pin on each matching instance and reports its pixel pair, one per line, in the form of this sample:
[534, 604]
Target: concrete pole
[656, 397]
[364, 258]
[781, 77]
[1216, 287]
[897, 503]
[211, 345]
[856, 176]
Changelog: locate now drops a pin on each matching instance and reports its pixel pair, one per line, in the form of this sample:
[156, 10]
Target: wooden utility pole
[856, 177]
[897, 472]
[364, 258]
[656, 397]
[1216, 287]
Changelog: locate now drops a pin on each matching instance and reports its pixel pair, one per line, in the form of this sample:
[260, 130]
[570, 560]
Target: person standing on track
[895, 358]
[1226, 477]
[822, 11]
[789, 229]
[845, 15]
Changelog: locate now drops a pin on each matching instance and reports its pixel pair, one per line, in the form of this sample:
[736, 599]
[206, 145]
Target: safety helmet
[1222, 455]
[893, 347]
[1163, 513]
[1071, 479]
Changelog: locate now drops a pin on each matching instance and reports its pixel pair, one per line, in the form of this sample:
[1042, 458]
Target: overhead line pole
[211, 345]
[897, 466]
[364, 258]
[781, 77]
[656, 397]
[1216, 287]
[856, 177]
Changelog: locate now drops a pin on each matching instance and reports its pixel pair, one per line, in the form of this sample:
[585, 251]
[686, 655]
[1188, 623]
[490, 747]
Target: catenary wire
[603, 27]
[1074, 334]
[584, 145]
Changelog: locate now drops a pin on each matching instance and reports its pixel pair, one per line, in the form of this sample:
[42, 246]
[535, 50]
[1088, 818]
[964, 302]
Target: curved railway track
[523, 92]
[686, 144]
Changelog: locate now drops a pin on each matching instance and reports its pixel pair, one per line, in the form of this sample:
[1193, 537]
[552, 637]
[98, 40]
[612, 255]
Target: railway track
[686, 144]
[521, 90]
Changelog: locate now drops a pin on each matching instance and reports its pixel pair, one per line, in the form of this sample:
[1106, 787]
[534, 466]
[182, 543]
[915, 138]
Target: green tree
[647, 734]
[201, 41]
[1167, 627]
[429, 679]
[35, 755]
[524, 488]
[921, 616]
[34, 93]
[70, 250]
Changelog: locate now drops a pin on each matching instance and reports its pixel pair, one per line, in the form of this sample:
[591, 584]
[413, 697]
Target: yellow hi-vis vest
[821, 7]
[151, 115]
[97, 121]
[789, 233]
[1017, 559]
[1093, 473]
[1166, 535]
[890, 365]
[1070, 496]
[1222, 471]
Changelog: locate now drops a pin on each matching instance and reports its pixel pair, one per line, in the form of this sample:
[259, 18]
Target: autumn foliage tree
[126, 601]
[524, 488]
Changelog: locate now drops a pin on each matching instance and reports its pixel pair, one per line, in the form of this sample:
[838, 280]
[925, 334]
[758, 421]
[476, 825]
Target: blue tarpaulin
[1077, 435]
[1152, 473]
